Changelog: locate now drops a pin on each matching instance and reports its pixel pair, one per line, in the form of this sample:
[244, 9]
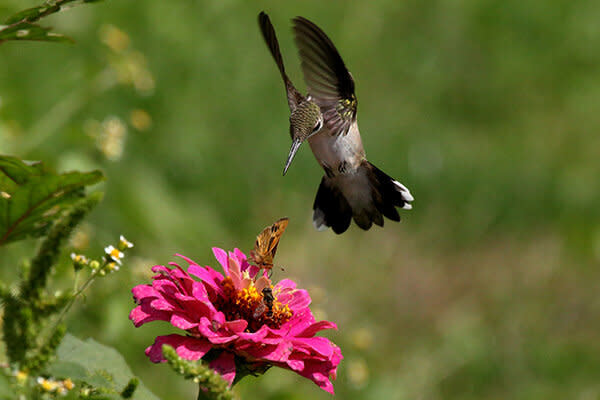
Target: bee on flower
[244, 320]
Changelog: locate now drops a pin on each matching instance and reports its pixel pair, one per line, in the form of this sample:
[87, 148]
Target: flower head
[113, 254]
[68, 384]
[21, 376]
[240, 316]
[79, 261]
[124, 243]
[79, 258]
[47, 385]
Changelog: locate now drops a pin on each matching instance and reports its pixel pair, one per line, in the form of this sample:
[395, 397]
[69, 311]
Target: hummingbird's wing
[329, 82]
[268, 32]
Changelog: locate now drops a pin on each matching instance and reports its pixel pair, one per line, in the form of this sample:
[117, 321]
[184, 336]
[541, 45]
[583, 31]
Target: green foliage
[20, 26]
[6, 392]
[26, 312]
[130, 389]
[29, 31]
[32, 198]
[89, 361]
[32, 321]
[211, 385]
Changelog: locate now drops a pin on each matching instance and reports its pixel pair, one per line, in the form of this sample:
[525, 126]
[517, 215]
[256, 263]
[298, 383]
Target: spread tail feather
[366, 195]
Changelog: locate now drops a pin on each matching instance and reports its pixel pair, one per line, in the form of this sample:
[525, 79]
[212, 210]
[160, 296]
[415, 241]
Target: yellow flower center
[48, 385]
[21, 376]
[68, 384]
[249, 304]
[115, 254]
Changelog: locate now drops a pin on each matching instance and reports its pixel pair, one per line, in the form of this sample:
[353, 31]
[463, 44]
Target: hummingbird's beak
[295, 146]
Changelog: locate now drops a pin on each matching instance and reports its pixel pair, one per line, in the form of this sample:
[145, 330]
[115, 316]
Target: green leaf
[30, 31]
[31, 14]
[67, 369]
[98, 361]
[20, 26]
[31, 198]
[6, 392]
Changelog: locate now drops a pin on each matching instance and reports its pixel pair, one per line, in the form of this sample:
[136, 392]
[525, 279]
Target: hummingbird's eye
[317, 126]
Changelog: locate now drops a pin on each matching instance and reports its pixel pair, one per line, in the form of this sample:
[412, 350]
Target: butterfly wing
[266, 243]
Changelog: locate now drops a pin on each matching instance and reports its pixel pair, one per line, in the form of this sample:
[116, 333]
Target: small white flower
[47, 385]
[20, 375]
[79, 258]
[112, 267]
[114, 254]
[124, 243]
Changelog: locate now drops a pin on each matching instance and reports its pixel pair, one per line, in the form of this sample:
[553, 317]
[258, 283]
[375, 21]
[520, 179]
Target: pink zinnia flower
[228, 314]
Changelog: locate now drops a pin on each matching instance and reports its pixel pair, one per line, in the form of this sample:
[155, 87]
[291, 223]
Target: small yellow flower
[79, 259]
[124, 243]
[21, 376]
[114, 254]
[112, 267]
[68, 384]
[140, 119]
[47, 385]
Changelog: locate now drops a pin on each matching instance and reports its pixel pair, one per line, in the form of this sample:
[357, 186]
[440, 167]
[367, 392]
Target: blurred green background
[487, 110]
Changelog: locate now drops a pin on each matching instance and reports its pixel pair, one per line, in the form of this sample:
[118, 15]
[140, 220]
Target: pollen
[249, 304]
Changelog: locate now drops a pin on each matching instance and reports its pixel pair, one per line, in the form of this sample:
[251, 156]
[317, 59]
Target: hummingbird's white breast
[338, 154]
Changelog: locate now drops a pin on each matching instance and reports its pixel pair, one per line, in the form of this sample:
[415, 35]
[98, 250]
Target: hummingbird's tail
[366, 195]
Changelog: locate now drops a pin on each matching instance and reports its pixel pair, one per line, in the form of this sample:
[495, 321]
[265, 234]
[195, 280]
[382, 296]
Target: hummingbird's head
[305, 121]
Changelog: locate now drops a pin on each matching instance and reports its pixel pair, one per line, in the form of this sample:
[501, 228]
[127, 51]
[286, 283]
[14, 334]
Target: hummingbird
[306, 118]
[352, 187]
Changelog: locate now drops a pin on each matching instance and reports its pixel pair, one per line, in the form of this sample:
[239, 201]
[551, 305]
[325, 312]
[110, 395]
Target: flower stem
[202, 394]
[85, 285]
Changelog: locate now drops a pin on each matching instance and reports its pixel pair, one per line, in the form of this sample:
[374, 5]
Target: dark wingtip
[263, 20]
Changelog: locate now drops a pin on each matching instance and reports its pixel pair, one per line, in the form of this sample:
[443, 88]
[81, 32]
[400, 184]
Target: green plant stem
[79, 291]
[202, 395]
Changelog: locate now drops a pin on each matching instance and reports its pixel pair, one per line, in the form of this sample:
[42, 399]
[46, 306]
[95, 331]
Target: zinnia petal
[225, 365]
[186, 347]
[222, 258]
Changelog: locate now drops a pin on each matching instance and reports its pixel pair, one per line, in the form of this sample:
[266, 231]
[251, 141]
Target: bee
[266, 304]
[266, 243]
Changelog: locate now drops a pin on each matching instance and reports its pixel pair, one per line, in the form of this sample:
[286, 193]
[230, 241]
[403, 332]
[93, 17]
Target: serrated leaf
[98, 360]
[31, 197]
